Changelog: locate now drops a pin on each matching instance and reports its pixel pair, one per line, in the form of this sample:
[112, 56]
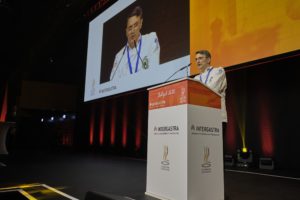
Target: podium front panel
[185, 159]
[167, 153]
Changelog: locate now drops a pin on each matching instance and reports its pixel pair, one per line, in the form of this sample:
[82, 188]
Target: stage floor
[74, 174]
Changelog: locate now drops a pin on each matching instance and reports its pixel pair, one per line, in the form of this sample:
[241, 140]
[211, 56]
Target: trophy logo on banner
[206, 165]
[165, 163]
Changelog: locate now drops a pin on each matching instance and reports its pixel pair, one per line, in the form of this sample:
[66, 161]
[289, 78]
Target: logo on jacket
[145, 63]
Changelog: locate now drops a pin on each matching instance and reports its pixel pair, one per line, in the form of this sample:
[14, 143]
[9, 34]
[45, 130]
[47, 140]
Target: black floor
[78, 173]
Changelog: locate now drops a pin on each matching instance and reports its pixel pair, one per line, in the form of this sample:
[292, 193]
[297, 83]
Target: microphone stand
[119, 63]
[182, 68]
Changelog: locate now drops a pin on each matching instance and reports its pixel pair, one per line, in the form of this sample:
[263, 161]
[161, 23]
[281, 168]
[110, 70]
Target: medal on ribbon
[145, 63]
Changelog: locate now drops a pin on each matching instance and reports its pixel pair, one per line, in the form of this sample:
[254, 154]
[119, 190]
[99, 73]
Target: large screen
[170, 32]
[136, 44]
[239, 31]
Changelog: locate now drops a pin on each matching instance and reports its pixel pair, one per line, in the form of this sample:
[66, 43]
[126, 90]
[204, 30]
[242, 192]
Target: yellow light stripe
[59, 192]
[20, 186]
[26, 194]
[26, 186]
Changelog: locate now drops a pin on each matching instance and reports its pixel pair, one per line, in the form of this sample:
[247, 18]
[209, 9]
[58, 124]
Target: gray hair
[137, 11]
[204, 52]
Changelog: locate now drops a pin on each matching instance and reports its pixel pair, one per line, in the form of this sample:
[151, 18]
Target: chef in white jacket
[213, 77]
[140, 52]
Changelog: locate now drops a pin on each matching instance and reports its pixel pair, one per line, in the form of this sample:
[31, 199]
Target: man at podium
[213, 77]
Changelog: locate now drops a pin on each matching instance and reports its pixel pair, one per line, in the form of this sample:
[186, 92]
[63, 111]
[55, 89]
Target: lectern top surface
[182, 79]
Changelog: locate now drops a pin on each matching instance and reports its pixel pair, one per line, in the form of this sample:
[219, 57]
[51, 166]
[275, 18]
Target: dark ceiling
[44, 40]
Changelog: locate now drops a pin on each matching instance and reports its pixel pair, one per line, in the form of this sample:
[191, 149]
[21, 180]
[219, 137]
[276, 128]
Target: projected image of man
[141, 52]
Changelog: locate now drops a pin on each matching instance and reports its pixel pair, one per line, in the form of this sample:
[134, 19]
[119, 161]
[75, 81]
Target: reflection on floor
[78, 173]
[33, 192]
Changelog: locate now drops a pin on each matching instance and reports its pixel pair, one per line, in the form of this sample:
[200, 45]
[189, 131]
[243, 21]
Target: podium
[185, 153]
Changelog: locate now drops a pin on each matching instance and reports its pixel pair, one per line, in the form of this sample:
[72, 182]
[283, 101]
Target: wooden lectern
[185, 153]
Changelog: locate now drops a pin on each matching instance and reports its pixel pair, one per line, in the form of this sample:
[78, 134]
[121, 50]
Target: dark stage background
[262, 96]
[262, 105]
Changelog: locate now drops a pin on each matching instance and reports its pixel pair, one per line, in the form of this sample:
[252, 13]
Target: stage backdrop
[234, 31]
[238, 31]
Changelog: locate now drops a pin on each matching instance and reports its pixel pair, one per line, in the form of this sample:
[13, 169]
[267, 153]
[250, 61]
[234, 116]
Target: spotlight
[52, 118]
[64, 116]
[244, 158]
[42, 119]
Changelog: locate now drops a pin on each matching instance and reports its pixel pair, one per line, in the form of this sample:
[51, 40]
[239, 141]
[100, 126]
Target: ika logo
[183, 91]
[206, 164]
[165, 163]
[183, 96]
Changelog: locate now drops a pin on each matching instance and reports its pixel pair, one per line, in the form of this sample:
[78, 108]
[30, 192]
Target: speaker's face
[134, 26]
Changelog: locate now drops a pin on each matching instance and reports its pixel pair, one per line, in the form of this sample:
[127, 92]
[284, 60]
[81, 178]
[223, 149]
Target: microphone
[182, 68]
[112, 77]
[143, 64]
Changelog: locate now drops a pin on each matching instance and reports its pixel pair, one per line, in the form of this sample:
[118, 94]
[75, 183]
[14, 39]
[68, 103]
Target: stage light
[42, 119]
[64, 116]
[266, 163]
[244, 150]
[244, 159]
[229, 160]
[52, 118]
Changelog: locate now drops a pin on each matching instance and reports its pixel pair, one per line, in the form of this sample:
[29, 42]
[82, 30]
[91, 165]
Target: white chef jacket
[215, 78]
[128, 62]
